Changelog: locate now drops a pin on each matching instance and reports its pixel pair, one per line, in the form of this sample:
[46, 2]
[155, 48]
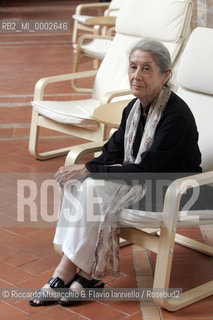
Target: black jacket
[174, 149]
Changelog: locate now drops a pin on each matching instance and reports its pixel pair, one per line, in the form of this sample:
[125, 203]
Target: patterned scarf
[154, 115]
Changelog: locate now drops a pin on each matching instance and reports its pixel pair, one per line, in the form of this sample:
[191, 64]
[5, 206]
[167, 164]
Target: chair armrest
[196, 180]
[80, 7]
[108, 11]
[175, 191]
[84, 37]
[42, 83]
[80, 150]
[109, 96]
[101, 21]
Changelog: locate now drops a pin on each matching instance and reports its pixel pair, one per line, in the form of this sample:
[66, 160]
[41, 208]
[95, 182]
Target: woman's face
[146, 80]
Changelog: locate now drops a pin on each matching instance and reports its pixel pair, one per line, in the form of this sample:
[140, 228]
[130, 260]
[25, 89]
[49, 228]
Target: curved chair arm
[108, 11]
[80, 150]
[109, 96]
[84, 37]
[80, 7]
[43, 82]
[175, 192]
[101, 21]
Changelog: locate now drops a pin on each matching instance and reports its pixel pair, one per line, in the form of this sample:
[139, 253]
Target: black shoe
[42, 294]
[85, 283]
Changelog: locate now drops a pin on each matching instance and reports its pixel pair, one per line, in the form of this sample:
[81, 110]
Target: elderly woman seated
[157, 134]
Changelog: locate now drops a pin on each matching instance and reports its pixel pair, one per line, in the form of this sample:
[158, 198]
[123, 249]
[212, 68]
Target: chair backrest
[164, 20]
[195, 79]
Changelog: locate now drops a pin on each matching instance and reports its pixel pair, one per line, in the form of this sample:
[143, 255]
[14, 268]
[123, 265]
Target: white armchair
[195, 78]
[82, 21]
[93, 46]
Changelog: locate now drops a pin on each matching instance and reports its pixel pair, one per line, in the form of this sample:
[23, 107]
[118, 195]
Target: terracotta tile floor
[27, 257]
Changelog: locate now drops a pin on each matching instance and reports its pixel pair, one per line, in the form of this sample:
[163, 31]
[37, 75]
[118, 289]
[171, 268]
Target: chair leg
[79, 58]
[34, 134]
[164, 258]
[96, 64]
[76, 62]
[163, 272]
[34, 138]
[74, 35]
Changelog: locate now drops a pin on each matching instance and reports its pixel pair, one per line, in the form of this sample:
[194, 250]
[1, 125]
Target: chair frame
[39, 120]
[94, 29]
[163, 243]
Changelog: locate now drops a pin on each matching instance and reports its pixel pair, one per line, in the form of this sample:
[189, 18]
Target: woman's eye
[132, 67]
[146, 68]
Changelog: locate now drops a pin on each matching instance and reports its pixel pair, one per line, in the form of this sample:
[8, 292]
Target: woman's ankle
[65, 270]
[88, 276]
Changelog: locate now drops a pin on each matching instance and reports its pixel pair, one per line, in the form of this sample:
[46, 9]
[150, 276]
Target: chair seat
[81, 18]
[78, 112]
[151, 219]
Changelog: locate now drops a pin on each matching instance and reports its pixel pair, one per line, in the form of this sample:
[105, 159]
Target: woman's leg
[79, 222]
[77, 235]
[65, 270]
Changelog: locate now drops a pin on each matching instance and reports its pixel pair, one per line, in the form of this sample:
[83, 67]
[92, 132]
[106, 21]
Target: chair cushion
[79, 112]
[152, 219]
[191, 74]
[195, 79]
[201, 106]
[81, 18]
[160, 20]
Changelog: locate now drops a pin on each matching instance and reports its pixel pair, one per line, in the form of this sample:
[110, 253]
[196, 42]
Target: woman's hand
[66, 173]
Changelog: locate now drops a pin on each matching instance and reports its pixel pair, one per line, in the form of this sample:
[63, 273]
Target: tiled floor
[27, 257]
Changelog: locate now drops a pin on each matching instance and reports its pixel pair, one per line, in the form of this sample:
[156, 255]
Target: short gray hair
[157, 50]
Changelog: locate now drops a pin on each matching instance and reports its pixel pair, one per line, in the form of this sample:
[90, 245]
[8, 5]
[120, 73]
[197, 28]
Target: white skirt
[84, 207]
